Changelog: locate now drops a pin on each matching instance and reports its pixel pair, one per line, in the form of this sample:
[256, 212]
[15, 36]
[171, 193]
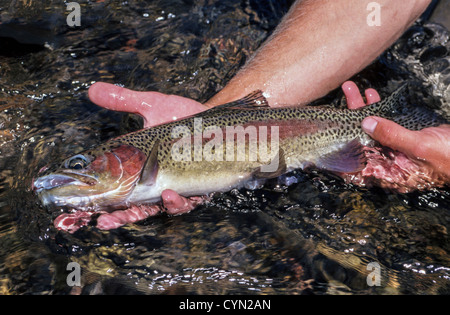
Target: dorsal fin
[256, 99]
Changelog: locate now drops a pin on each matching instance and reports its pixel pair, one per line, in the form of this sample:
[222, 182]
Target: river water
[317, 235]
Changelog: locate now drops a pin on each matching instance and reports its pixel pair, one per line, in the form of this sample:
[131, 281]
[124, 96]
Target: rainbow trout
[222, 148]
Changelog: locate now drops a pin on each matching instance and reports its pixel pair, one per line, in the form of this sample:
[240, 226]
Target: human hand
[173, 204]
[429, 147]
[156, 108]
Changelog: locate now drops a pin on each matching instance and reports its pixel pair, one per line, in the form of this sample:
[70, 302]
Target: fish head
[92, 180]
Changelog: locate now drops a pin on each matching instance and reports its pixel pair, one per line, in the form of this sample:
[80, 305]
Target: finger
[111, 96]
[118, 218]
[390, 134]
[117, 98]
[150, 105]
[352, 94]
[176, 204]
[156, 108]
[372, 96]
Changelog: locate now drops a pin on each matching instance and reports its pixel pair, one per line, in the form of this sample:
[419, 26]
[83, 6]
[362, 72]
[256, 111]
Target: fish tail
[389, 106]
[397, 108]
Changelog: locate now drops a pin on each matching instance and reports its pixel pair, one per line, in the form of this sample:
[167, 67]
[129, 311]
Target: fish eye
[76, 162]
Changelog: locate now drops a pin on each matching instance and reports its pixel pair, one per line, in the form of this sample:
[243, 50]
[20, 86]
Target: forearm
[318, 45]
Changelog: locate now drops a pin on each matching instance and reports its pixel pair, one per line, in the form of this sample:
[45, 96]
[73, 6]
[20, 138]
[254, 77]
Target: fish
[225, 147]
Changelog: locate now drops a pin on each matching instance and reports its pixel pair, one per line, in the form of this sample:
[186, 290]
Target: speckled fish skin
[323, 136]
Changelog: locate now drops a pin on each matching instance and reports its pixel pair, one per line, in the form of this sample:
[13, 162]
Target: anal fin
[349, 159]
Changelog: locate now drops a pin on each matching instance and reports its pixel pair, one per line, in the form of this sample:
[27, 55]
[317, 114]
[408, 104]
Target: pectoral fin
[349, 159]
[150, 169]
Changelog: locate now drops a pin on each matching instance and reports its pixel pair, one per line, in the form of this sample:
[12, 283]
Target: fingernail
[372, 96]
[347, 85]
[369, 124]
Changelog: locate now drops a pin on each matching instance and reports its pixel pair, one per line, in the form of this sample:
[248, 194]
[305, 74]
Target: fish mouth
[51, 181]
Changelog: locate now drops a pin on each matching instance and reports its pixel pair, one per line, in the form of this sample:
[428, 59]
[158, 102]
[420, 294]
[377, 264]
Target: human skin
[429, 147]
[317, 46]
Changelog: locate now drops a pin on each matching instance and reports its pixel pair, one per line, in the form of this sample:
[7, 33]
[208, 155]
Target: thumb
[390, 134]
[115, 97]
